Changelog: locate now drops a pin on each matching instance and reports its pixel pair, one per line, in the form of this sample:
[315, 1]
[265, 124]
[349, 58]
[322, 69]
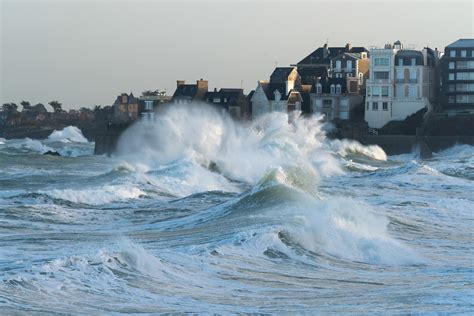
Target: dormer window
[333, 89]
[319, 88]
[349, 65]
[338, 89]
[277, 95]
[364, 55]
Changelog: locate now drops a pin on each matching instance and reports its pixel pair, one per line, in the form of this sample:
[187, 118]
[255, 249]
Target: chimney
[290, 85]
[202, 84]
[215, 89]
[348, 47]
[179, 83]
[325, 51]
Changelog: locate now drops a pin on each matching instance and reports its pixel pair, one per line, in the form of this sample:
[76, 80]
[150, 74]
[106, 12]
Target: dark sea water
[197, 214]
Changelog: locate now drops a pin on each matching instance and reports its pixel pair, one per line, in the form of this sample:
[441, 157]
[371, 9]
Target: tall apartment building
[402, 82]
[457, 77]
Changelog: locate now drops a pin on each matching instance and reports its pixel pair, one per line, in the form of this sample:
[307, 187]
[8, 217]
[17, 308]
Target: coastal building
[402, 82]
[353, 65]
[231, 100]
[336, 98]
[317, 64]
[457, 77]
[188, 93]
[280, 94]
[125, 108]
[149, 102]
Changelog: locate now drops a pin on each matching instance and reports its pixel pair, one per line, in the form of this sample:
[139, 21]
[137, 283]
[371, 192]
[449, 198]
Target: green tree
[57, 106]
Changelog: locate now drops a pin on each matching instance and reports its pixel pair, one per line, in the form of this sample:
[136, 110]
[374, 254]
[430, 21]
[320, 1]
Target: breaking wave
[67, 135]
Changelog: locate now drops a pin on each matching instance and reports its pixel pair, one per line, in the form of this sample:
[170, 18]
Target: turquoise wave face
[204, 215]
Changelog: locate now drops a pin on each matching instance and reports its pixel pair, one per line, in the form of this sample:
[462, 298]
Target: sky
[85, 53]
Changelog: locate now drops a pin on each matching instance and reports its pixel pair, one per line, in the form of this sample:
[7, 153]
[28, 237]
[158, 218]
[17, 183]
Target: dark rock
[52, 153]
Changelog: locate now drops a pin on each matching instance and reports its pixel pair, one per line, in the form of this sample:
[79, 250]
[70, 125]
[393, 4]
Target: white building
[401, 83]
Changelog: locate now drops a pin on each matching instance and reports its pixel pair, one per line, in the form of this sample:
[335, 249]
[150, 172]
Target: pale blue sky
[84, 53]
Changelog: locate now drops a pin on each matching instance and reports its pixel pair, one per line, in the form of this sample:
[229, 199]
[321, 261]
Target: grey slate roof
[280, 74]
[317, 57]
[463, 42]
[186, 90]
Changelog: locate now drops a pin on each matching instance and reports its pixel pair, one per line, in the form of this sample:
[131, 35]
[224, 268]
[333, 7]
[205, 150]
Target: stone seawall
[106, 142]
[426, 145]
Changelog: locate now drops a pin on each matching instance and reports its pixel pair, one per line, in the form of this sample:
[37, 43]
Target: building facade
[280, 94]
[230, 100]
[402, 82]
[149, 103]
[457, 77]
[336, 98]
[125, 108]
[188, 93]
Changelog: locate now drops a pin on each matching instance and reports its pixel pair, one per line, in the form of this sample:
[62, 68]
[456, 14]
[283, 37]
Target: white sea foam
[97, 196]
[68, 134]
[30, 145]
[239, 152]
[345, 147]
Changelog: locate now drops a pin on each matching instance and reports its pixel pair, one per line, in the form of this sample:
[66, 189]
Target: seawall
[426, 145]
[106, 142]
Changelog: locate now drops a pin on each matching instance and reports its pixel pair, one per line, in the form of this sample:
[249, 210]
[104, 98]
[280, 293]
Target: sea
[196, 213]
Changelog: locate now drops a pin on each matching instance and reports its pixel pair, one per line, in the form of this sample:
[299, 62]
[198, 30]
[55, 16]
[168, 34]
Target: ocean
[196, 213]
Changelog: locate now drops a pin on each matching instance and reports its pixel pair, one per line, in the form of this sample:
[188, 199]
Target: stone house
[125, 108]
[280, 94]
[336, 98]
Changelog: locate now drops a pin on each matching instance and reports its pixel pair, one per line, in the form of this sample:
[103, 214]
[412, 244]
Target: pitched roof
[327, 82]
[270, 88]
[280, 74]
[186, 90]
[317, 56]
[463, 42]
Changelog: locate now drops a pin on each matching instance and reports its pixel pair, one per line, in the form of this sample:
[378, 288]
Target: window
[361, 78]
[333, 89]
[413, 75]
[452, 53]
[376, 91]
[338, 75]
[375, 106]
[465, 98]
[381, 75]
[413, 91]
[344, 115]
[327, 102]
[369, 91]
[400, 75]
[413, 61]
[451, 76]
[463, 53]
[338, 64]
[319, 88]
[464, 76]
[469, 64]
[451, 99]
[381, 61]
[349, 65]
[148, 105]
[468, 87]
[364, 55]
[385, 91]
[338, 89]
[451, 65]
[367, 106]
[452, 88]
[400, 61]
[385, 106]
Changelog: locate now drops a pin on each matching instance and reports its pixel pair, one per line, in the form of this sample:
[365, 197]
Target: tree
[26, 105]
[10, 107]
[56, 106]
